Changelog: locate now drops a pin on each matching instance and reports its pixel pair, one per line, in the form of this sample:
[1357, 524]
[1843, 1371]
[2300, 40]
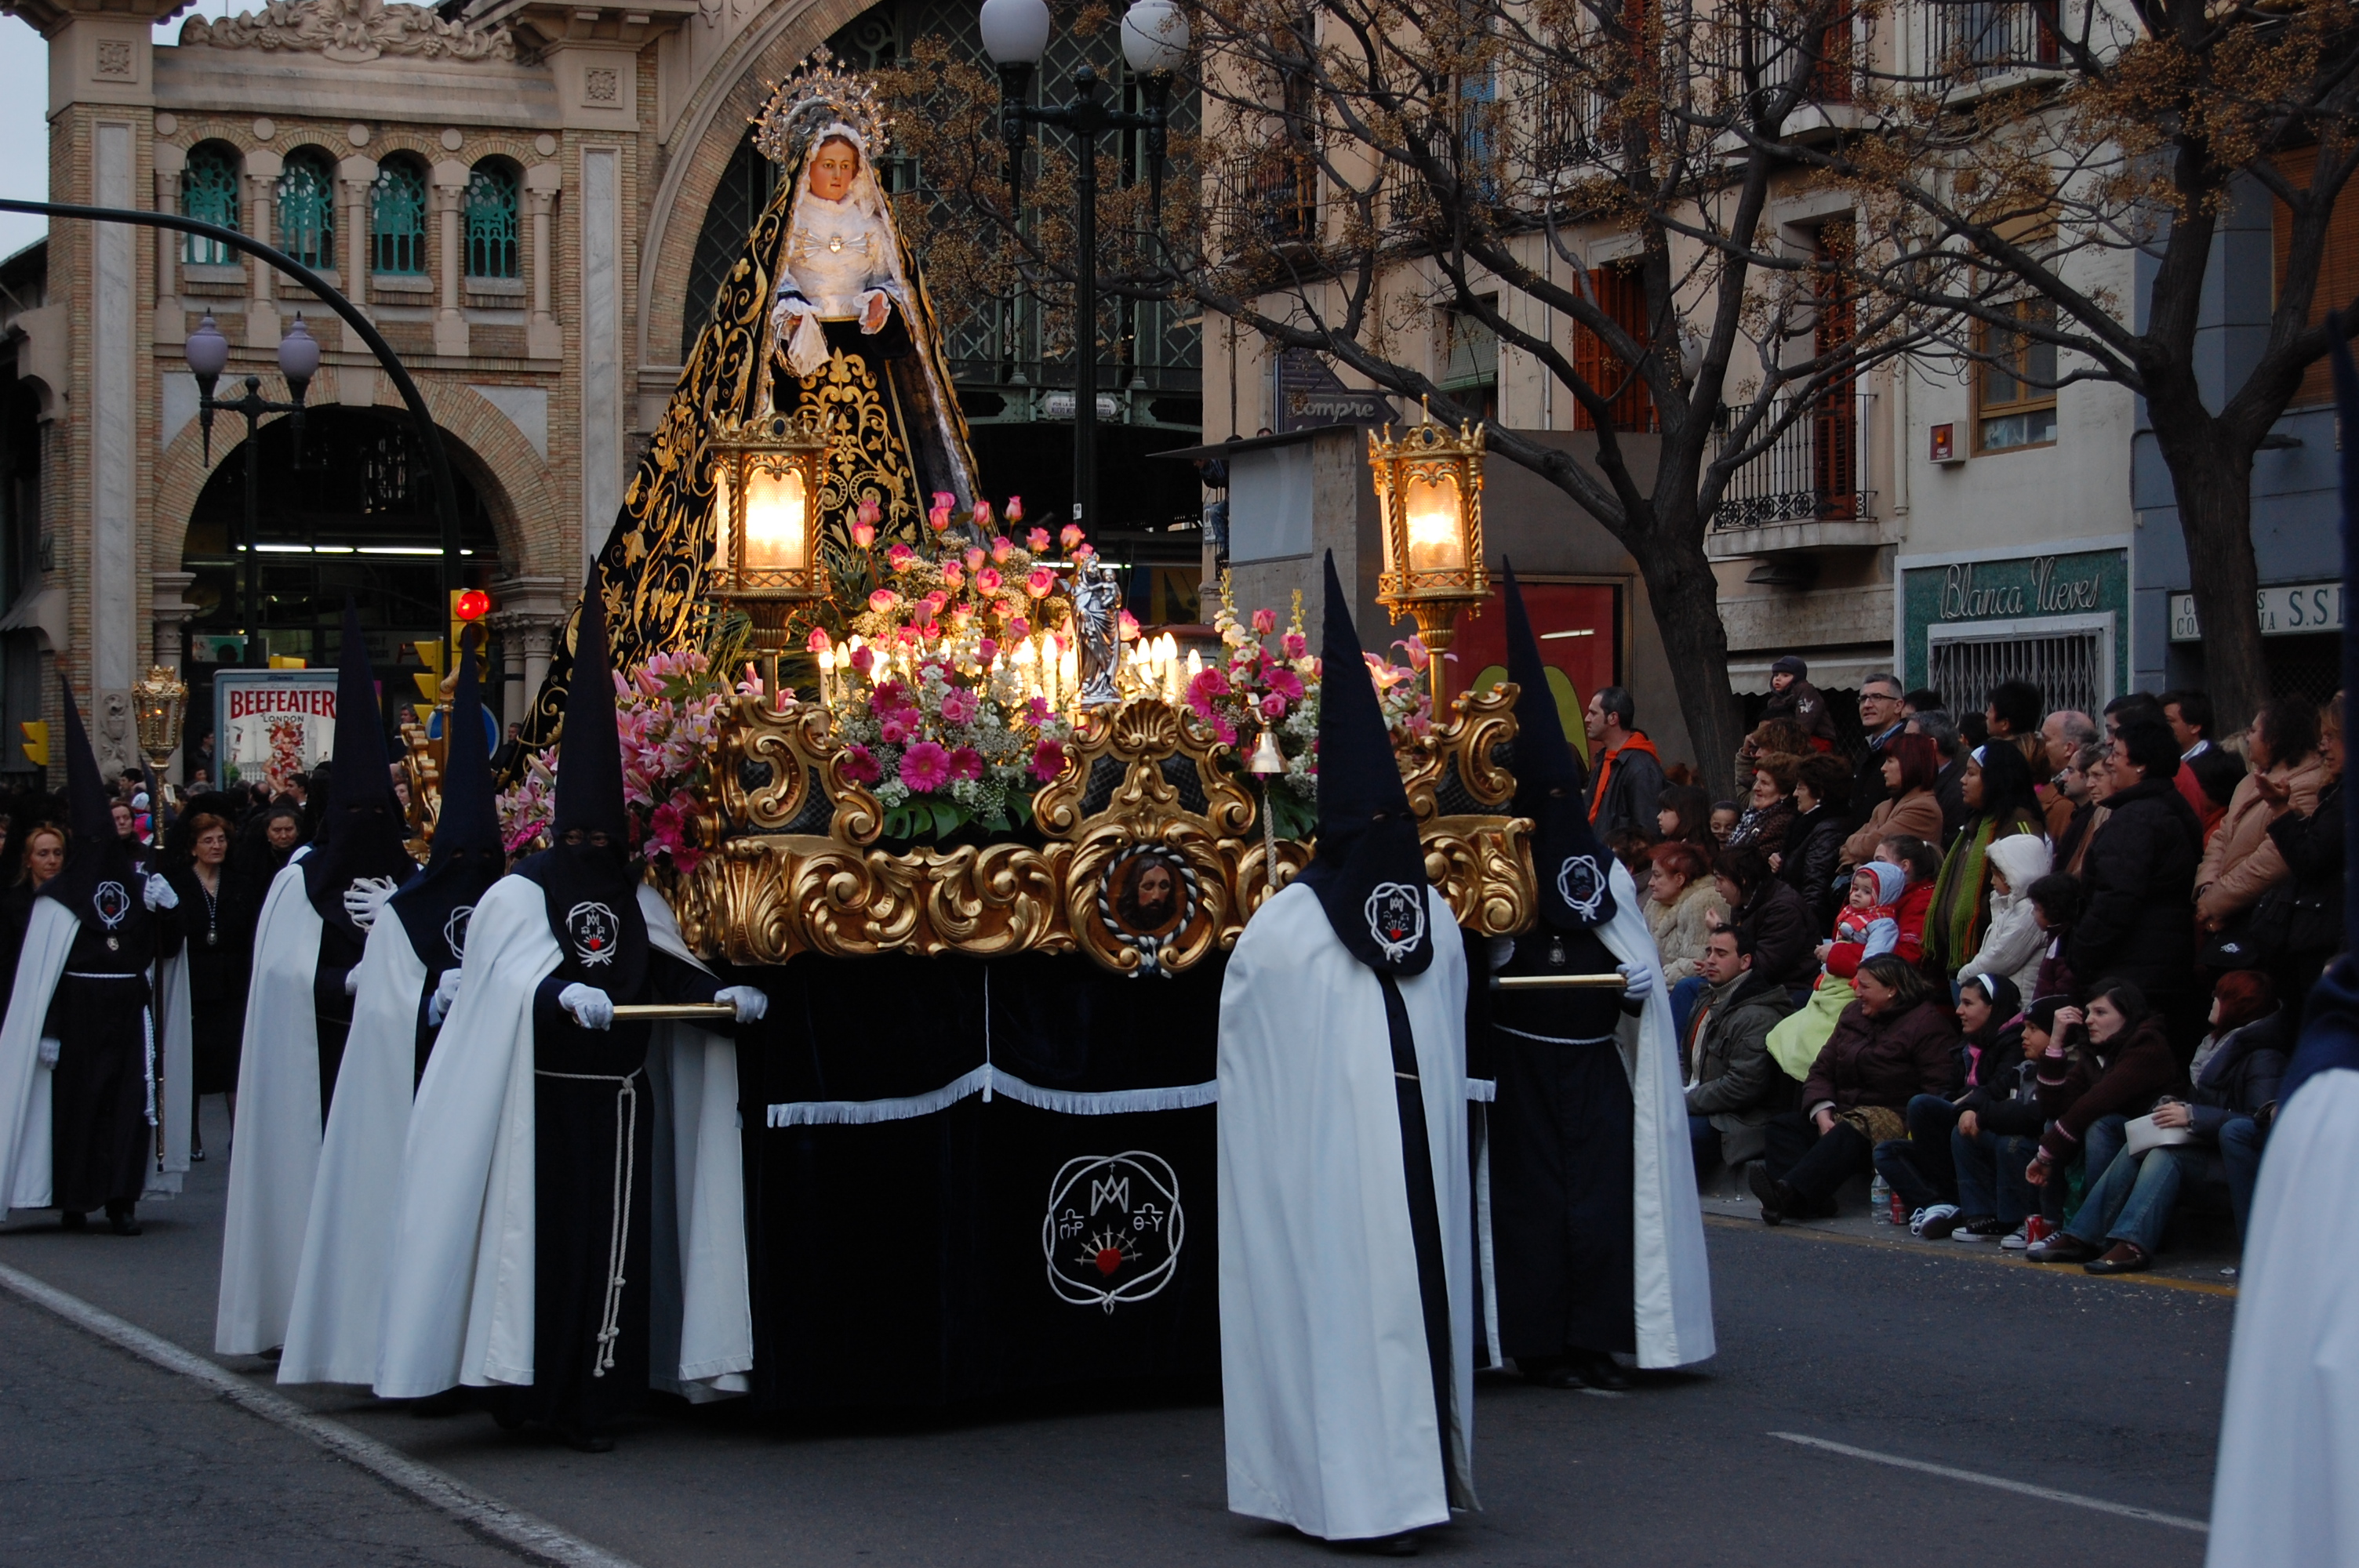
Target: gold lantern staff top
[765, 488]
[158, 704]
[1429, 498]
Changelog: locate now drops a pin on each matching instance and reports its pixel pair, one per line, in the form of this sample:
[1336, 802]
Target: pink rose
[1002, 547]
[1085, 552]
[982, 515]
[1014, 510]
[818, 642]
[952, 576]
[986, 580]
[1042, 580]
[925, 767]
[899, 726]
[934, 602]
[1006, 608]
[1071, 536]
[1273, 708]
[938, 519]
[1036, 540]
[974, 557]
[987, 651]
[1047, 757]
[1016, 625]
[960, 705]
[859, 767]
[966, 763]
[900, 557]
[1295, 644]
[1265, 622]
[1129, 624]
[884, 601]
[864, 534]
[863, 658]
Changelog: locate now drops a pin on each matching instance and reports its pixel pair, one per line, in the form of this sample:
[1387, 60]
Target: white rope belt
[1551, 1039]
[619, 1231]
[84, 975]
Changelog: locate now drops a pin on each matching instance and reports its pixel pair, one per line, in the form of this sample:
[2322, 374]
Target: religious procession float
[895, 747]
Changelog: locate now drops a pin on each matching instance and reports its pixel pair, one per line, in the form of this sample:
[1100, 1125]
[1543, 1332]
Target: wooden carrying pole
[674, 1012]
[1552, 982]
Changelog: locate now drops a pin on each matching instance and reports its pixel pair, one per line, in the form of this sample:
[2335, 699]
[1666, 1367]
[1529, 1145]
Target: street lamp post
[1154, 44]
[298, 360]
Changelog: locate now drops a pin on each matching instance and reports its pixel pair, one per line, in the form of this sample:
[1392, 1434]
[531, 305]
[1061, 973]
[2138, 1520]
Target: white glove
[160, 893]
[366, 898]
[750, 1004]
[352, 981]
[591, 1007]
[437, 1006]
[1637, 979]
[51, 1047]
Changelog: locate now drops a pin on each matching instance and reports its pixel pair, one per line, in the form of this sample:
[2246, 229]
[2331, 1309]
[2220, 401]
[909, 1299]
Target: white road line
[447, 1494]
[2046, 1494]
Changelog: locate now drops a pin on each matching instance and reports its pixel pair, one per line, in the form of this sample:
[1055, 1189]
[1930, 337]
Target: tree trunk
[2213, 484]
[1686, 601]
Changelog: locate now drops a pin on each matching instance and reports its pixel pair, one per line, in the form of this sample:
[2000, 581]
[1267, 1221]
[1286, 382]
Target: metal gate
[2072, 669]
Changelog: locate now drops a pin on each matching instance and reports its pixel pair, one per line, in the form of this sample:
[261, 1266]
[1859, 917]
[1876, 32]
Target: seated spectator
[1815, 838]
[2313, 846]
[1682, 906]
[2242, 859]
[1793, 697]
[2102, 1067]
[1770, 808]
[1895, 1043]
[1922, 863]
[1937, 726]
[1991, 1145]
[1920, 1167]
[2083, 782]
[2138, 873]
[1684, 812]
[1769, 913]
[1866, 927]
[2055, 906]
[1997, 790]
[1910, 763]
[1733, 1088]
[1724, 814]
[2013, 944]
[2123, 1217]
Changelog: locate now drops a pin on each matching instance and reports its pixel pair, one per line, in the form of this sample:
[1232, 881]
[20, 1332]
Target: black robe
[217, 975]
[1561, 1180]
[102, 1137]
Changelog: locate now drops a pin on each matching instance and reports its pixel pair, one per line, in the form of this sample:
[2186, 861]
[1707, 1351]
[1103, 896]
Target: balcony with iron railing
[1986, 43]
[1809, 491]
[1276, 199]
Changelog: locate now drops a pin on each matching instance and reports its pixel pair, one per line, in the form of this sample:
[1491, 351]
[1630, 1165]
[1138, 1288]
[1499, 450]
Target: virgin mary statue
[825, 306]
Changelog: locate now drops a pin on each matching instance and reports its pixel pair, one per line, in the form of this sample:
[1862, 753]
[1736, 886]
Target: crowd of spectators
[2035, 972]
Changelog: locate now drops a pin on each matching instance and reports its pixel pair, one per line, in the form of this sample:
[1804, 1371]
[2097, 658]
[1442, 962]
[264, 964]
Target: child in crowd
[2055, 906]
[1920, 1167]
[1724, 814]
[1998, 1128]
[2012, 943]
[1923, 864]
[1868, 924]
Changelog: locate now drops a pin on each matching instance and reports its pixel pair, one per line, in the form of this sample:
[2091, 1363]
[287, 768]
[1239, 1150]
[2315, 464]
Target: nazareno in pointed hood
[1576, 884]
[362, 835]
[1369, 869]
[100, 884]
[585, 874]
[434, 905]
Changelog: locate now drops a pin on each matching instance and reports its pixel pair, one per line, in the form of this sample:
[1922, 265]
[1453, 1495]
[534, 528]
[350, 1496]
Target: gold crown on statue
[814, 97]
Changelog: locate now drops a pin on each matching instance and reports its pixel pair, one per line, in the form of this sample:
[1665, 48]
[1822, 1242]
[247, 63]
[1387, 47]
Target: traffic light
[468, 606]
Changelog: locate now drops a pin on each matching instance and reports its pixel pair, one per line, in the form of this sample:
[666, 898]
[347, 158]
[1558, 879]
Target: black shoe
[197, 1156]
[1597, 1369]
[587, 1440]
[73, 1219]
[1402, 1545]
[1776, 1196]
[124, 1221]
[1546, 1371]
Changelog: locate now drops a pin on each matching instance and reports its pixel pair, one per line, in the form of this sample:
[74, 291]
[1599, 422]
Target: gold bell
[1267, 759]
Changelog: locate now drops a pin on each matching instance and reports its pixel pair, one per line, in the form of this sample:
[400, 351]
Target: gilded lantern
[1429, 495]
[765, 488]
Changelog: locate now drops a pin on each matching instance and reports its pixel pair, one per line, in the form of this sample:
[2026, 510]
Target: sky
[23, 128]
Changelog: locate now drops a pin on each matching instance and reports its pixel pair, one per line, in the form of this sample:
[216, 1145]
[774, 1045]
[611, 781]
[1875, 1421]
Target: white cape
[339, 1281]
[459, 1291]
[26, 1148]
[1327, 1391]
[2287, 1492]
[275, 1149]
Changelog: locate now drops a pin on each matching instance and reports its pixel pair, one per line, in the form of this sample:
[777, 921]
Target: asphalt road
[2108, 1389]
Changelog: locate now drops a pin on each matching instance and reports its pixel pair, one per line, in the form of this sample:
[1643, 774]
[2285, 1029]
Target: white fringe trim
[987, 1080]
[1483, 1091]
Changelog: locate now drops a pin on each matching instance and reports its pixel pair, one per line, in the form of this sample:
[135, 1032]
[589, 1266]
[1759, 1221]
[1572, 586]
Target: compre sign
[2286, 610]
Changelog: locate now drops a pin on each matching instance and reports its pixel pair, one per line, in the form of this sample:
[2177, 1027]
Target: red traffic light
[471, 604]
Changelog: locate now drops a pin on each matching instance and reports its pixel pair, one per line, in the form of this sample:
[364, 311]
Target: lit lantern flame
[777, 517]
[1436, 542]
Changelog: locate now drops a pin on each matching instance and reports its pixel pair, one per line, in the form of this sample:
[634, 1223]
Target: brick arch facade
[516, 486]
[710, 127]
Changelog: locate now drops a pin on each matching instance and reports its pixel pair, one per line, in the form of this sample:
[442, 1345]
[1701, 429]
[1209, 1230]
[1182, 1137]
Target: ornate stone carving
[350, 31]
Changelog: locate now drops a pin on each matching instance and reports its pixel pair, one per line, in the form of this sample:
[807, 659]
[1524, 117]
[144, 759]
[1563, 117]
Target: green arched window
[209, 192]
[397, 217]
[491, 220]
[307, 209]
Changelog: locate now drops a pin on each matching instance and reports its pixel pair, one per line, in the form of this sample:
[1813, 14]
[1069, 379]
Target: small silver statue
[1097, 608]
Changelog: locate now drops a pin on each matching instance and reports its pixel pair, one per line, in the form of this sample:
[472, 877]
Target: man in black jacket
[1880, 720]
[2139, 873]
[1734, 1086]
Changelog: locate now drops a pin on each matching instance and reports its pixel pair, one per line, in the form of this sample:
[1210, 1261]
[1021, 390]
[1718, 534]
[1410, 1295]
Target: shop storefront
[2060, 621]
[2302, 635]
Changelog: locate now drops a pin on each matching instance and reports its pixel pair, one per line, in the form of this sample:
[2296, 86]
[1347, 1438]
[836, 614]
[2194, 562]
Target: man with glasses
[1880, 719]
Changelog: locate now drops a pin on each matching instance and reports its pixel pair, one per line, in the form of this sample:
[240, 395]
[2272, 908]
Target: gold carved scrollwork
[765, 895]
